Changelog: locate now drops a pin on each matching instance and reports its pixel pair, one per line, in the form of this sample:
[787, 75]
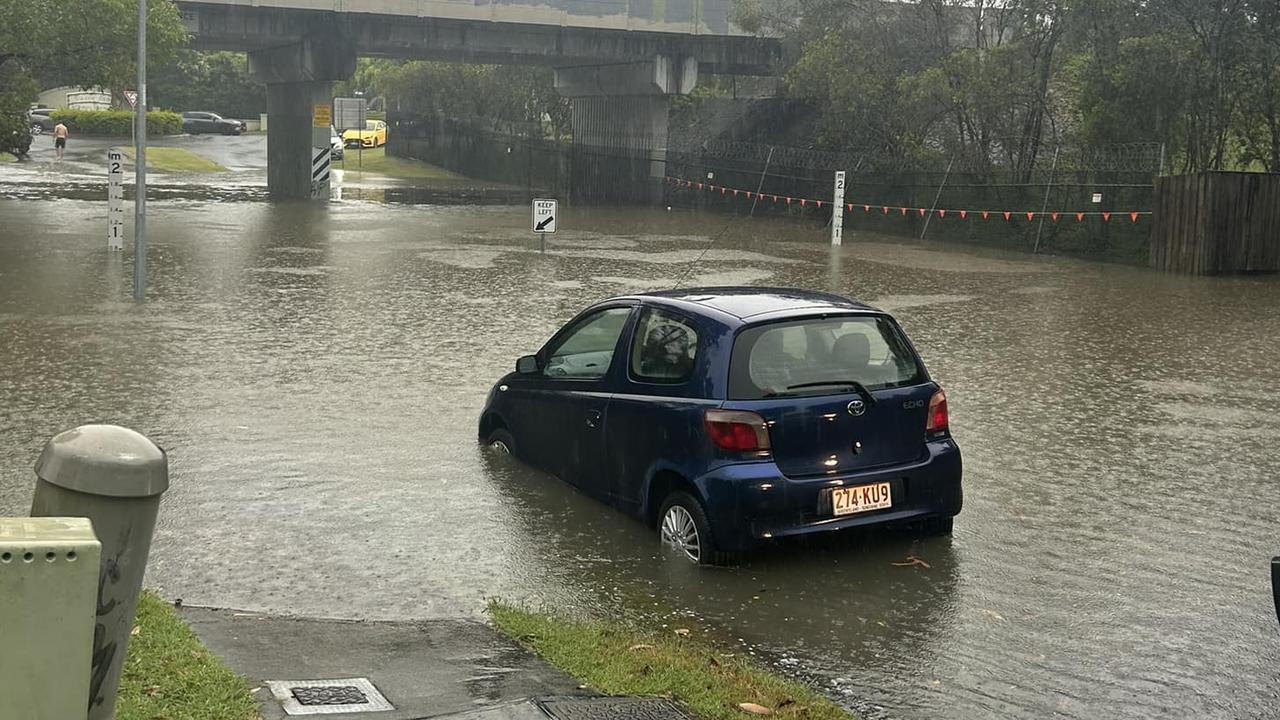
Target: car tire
[500, 441]
[683, 527]
[937, 526]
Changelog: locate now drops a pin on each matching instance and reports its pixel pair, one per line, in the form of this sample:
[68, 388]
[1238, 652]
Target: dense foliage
[117, 123]
[500, 94]
[1001, 81]
[217, 82]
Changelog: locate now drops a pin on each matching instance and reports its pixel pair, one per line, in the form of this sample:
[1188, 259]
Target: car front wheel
[683, 528]
[500, 441]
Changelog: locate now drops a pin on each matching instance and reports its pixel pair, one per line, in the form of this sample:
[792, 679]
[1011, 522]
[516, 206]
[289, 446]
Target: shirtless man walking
[60, 139]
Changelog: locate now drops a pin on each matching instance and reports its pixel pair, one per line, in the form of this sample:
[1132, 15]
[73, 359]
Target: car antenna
[728, 224]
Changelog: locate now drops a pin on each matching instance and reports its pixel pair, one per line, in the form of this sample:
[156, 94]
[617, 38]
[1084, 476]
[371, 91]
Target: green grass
[171, 159]
[6, 157]
[616, 659]
[376, 161]
[170, 674]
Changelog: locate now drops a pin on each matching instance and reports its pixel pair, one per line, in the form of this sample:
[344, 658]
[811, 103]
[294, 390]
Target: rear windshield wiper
[857, 386]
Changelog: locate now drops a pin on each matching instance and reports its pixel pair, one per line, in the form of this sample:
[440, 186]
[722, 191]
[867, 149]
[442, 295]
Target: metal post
[114, 477]
[1053, 175]
[140, 164]
[760, 185]
[937, 197]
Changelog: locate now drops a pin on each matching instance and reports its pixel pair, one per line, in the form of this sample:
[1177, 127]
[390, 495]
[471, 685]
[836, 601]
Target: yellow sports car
[373, 135]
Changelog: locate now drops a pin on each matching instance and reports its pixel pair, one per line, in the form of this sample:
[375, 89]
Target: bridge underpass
[619, 61]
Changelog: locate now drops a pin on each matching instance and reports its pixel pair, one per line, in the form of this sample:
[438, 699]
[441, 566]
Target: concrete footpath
[424, 669]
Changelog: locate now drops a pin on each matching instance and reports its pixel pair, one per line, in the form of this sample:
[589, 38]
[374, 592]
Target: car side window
[664, 348]
[586, 353]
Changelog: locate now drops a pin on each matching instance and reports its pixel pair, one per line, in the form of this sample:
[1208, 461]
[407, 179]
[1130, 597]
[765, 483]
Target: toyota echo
[726, 417]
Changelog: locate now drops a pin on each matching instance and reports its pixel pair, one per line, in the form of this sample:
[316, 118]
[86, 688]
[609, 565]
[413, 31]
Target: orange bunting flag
[851, 207]
[904, 211]
[1054, 216]
[1133, 216]
[735, 192]
[1007, 216]
[788, 201]
[802, 202]
[964, 214]
[722, 189]
[1106, 217]
[699, 186]
[922, 211]
[865, 208]
[985, 214]
[748, 194]
[775, 198]
[1079, 217]
[1031, 216]
[942, 213]
[885, 208]
[819, 202]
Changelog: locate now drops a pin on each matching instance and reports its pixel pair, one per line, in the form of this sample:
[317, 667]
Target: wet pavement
[316, 375]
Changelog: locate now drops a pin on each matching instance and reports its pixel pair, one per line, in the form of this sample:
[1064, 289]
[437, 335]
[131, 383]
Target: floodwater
[316, 375]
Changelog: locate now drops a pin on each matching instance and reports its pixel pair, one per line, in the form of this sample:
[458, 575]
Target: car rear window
[821, 356]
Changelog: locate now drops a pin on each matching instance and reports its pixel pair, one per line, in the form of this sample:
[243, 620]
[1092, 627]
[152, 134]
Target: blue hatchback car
[729, 416]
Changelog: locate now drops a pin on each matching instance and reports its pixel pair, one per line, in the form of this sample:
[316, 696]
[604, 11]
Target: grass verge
[170, 674]
[171, 159]
[616, 659]
[376, 161]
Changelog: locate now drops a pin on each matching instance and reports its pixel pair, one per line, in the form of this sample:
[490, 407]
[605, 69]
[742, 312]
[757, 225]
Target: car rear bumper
[752, 502]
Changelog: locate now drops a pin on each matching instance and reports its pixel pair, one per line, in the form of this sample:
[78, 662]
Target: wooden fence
[1217, 223]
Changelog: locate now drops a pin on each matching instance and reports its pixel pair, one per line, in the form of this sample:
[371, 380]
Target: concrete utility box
[48, 604]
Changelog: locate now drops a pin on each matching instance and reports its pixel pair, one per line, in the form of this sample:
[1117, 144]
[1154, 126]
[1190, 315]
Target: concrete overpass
[619, 61]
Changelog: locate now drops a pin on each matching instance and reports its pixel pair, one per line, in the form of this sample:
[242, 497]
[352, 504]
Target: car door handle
[593, 418]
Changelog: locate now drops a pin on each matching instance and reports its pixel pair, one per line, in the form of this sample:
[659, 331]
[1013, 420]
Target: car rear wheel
[937, 526]
[500, 441]
[683, 528]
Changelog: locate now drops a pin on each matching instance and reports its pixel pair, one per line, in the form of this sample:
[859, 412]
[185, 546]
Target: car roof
[753, 304]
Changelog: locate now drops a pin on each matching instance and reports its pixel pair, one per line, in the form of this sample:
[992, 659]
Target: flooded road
[316, 375]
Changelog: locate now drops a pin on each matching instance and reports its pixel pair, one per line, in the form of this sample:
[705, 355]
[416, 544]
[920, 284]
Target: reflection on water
[316, 374]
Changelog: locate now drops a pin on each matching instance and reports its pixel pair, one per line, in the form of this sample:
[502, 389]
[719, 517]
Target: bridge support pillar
[620, 121]
[299, 78]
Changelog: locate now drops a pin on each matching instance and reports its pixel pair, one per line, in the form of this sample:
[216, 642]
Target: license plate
[860, 498]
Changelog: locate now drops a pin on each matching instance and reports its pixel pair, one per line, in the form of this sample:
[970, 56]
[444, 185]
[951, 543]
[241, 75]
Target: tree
[219, 82]
[76, 42]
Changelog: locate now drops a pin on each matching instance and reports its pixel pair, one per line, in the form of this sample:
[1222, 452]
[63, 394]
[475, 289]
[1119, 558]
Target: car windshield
[821, 356]
[371, 125]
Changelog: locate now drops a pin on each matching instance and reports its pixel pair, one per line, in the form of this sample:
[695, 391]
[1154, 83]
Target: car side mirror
[527, 365]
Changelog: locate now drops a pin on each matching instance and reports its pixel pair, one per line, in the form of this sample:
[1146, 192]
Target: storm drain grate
[610, 708]
[328, 697]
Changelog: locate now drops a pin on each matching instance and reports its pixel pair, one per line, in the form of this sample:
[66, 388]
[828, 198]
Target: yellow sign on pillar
[321, 116]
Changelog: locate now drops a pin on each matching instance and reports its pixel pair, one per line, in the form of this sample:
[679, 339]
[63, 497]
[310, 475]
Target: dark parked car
[206, 122]
[41, 122]
[729, 416]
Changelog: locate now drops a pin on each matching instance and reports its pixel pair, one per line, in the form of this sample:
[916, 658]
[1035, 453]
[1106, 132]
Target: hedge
[117, 123]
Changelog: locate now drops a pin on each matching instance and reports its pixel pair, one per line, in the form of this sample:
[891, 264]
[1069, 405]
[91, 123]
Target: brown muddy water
[316, 375]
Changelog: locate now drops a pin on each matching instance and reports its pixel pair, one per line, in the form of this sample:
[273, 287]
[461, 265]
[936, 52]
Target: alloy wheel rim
[680, 532]
[500, 446]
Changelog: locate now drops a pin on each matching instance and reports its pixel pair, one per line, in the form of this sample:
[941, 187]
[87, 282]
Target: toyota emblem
[857, 407]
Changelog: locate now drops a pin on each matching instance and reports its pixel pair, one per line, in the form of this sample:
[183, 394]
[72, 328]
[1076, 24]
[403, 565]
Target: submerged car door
[655, 417]
[569, 405]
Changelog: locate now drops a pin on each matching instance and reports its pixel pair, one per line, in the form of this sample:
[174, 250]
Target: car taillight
[939, 421]
[736, 430]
